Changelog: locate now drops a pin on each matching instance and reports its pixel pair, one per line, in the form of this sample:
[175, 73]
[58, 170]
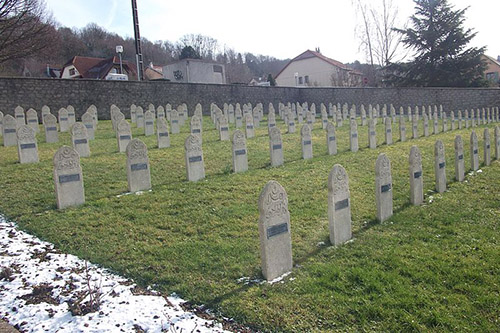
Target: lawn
[434, 267]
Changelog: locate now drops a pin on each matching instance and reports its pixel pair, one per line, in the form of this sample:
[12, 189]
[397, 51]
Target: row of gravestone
[274, 216]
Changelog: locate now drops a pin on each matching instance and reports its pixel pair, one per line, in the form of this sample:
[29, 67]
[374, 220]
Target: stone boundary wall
[57, 93]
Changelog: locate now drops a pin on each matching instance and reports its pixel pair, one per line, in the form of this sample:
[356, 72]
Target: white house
[312, 69]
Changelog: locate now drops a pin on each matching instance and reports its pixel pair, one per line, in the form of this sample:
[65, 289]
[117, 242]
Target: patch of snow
[479, 171]
[279, 278]
[33, 268]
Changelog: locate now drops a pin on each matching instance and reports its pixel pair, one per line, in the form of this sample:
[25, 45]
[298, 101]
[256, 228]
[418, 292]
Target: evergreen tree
[439, 40]
[271, 80]
[188, 52]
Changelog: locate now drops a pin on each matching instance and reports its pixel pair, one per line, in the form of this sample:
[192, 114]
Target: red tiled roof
[97, 68]
[311, 54]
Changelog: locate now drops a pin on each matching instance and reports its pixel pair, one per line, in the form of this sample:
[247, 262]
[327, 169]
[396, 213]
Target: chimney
[498, 58]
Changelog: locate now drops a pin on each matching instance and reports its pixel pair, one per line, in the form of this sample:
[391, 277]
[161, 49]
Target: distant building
[195, 71]
[312, 69]
[492, 71]
[97, 68]
[153, 72]
[258, 81]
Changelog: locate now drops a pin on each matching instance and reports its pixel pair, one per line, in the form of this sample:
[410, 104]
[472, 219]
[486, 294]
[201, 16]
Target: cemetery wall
[57, 93]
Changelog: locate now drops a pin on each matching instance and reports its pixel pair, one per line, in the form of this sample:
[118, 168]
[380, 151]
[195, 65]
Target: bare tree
[207, 47]
[25, 29]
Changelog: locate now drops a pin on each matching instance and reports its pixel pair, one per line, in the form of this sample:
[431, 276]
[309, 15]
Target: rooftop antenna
[138, 50]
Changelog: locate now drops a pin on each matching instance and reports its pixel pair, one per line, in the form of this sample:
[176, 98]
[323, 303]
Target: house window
[72, 71]
[217, 69]
[306, 79]
[493, 76]
[301, 80]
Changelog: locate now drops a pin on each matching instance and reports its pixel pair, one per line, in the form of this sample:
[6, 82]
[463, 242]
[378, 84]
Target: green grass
[434, 267]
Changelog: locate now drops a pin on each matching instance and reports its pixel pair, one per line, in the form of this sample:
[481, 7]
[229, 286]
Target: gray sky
[278, 28]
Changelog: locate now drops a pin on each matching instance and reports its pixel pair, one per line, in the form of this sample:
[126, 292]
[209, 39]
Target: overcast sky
[278, 28]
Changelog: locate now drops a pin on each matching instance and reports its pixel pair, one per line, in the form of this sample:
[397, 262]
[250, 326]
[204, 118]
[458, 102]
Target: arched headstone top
[239, 140]
[136, 149]
[305, 131]
[383, 166]
[192, 144]
[459, 143]
[66, 159]
[415, 157]
[273, 201]
[123, 126]
[338, 181]
[79, 130]
[275, 134]
[25, 133]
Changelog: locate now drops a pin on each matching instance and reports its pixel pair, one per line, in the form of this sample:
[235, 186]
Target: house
[311, 68]
[153, 72]
[195, 71]
[97, 68]
[258, 81]
[492, 71]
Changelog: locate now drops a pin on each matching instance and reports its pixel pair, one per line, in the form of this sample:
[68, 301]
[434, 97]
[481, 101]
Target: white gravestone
[196, 126]
[416, 178]
[63, 120]
[474, 152]
[291, 123]
[414, 126]
[27, 148]
[160, 112]
[274, 231]
[149, 123]
[383, 187]
[138, 173]
[372, 134]
[238, 117]
[223, 129]
[123, 135]
[32, 120]
[89, 122]
[133, 109]
[459, 159]
[162, 135]
[194, 158]
[249, 129]
[116, 117]
[1, 123]
[466, 119]
[71, 115]
[175, 122]
[307, 150]
[50, 125]
[9, 131]
[339, 206]
[68, 178]
[487, 147]
[460, 124]
[45, 111]
[80, 139]
[388, 131]
[453, 123]
[445, 122]
[19, 115]
[331, 139]
[440, 166]
[353, 137]
[275, 147]
[497, 142]
[402, 128]
[240, 156]
[139, 117]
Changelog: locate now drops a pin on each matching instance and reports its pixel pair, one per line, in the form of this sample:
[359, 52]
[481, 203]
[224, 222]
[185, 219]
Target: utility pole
[137, 35]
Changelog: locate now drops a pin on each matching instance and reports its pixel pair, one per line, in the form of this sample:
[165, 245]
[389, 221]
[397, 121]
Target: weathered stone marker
[116, 117]
[160, 112]
[139, 117]
[353, 137]
[162, 135]
[71, 115]
[466, 119]
[223, 129]
[453, 121]
[436, 123]
[459, 159]
[474, 152]
[19, 116]
[271, 120]
[460, 124]
[440, 166]
[274, 231]
[383, 187]
[50, 125]
[249, 130]
[138, 173]
[331, 140]
[426, 124]
[240, 156]
[149, 123]
[388, 131]
[445, 122]
[89, 122]
[487, 147]
[45, 111]
[9, 131]
[195, 166]
[32, 120]
[275, 147]
[402, 128]
[68, 178]
[123, 135]
[414, 126]
[416, 179]
[196, 126]
[133, 109]
[291, 123]
[27, 149]
[175, 122]
[497, 142]
[80, 139]
[63, 120]
[307, 150]
[1, 123]
[339, 206]
[372, 134]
